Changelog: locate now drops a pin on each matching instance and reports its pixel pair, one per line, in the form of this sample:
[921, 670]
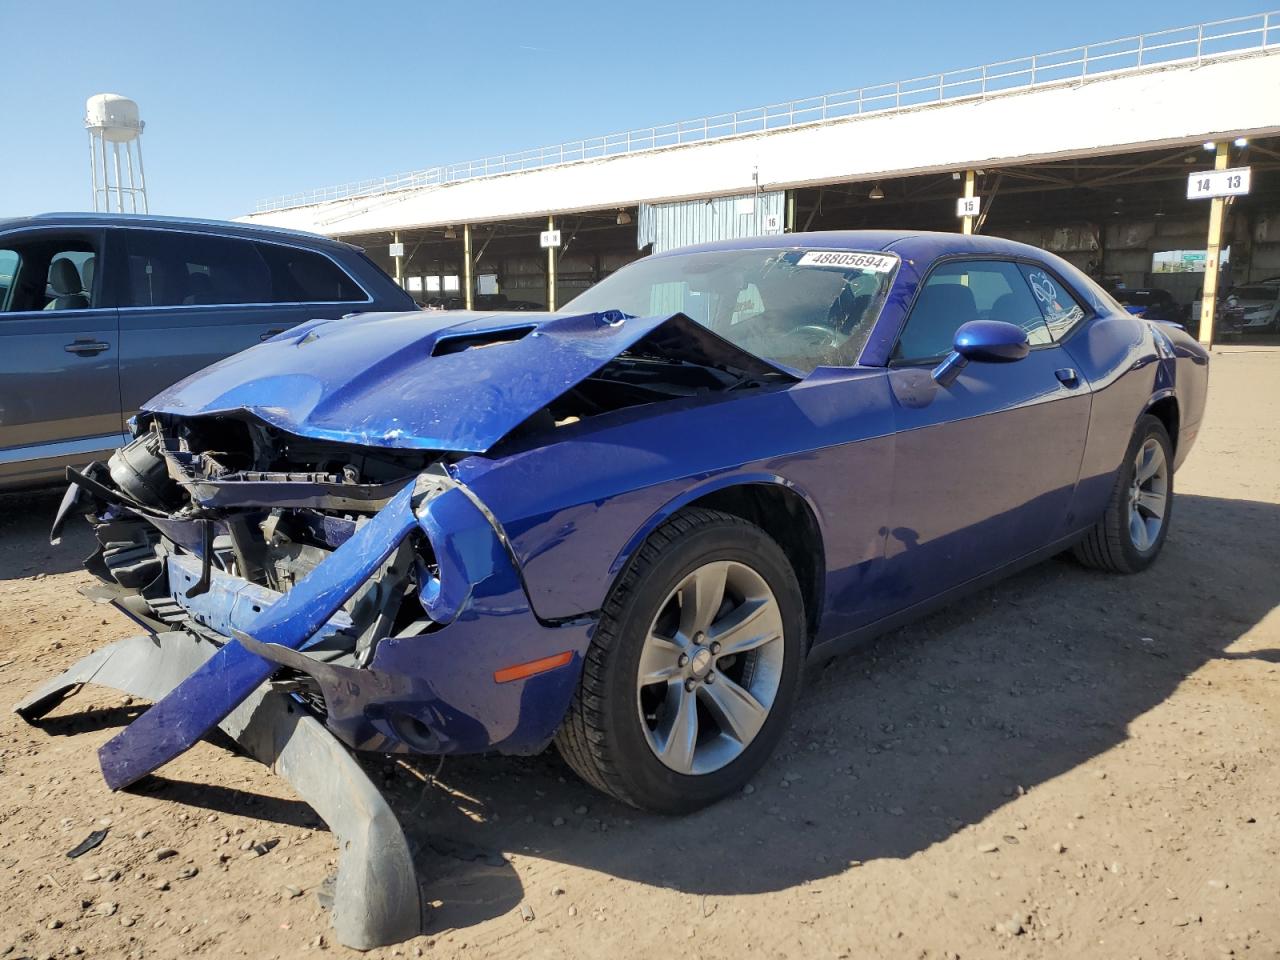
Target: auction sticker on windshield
[846, 260]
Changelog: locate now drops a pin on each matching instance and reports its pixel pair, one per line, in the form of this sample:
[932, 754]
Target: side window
[171, 269]
[48, 271]
[302, 276]
[9, 262]
[958, 292]
[1061, 312]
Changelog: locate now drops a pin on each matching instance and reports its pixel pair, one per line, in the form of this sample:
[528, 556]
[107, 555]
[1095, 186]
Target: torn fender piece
[202, 700]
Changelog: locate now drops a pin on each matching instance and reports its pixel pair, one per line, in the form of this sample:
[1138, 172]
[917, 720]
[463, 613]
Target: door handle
[1068, 376]
[87, 348]
[271, 333]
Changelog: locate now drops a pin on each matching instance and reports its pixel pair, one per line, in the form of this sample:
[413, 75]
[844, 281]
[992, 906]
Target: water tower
[113, 119]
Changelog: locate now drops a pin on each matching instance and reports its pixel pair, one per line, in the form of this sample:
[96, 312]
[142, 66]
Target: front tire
[1131, 533]
[693, 669]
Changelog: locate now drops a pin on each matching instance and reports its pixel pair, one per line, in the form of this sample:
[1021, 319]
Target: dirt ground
[1067, 765]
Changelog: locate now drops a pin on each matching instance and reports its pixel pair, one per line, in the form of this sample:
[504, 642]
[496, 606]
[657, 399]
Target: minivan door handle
[1068, 376]
[273, 332]
[87, 348]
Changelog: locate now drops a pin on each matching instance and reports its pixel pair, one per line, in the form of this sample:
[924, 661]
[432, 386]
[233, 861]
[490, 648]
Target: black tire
[602, 737]
[1109, 545]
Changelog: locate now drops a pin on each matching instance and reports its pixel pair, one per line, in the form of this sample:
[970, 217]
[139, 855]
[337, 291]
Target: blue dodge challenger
[625, 526]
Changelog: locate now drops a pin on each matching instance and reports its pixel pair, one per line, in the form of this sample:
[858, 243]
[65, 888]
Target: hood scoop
[474, 341]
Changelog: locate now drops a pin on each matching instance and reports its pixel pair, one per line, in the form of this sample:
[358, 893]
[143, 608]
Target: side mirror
[982, 341]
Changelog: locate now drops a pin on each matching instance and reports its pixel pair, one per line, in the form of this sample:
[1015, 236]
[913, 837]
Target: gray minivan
[100, 312]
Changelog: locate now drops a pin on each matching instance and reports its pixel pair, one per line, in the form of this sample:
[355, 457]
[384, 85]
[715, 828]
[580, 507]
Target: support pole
[468, 284]
[106, 177]
[791, 212]
[967, 227]
[115, 152]
[395, 238]
[1217, 214]
[128, 166]
[93, 170]
[142, 179]
[551, 268]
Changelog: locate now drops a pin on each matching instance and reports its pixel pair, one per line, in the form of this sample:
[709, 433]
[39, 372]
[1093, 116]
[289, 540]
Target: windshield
[1255, 293]
[798, 308]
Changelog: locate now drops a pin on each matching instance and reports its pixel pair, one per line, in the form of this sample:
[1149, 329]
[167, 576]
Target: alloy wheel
[1148, 495]
[710, 668]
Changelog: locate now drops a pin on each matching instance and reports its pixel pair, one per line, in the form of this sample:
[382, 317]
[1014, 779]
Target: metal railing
[1192, 44]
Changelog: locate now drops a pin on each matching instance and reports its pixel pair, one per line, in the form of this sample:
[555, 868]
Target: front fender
[702, 489]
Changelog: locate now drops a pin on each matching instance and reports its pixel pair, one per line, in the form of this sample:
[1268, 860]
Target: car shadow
[894, 747]
[25, 518]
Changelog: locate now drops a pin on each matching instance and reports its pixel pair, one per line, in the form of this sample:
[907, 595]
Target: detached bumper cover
[377, 900]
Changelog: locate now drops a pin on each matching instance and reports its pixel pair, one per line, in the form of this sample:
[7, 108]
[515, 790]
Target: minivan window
[171, 269]
[48, 271]
[9, 261]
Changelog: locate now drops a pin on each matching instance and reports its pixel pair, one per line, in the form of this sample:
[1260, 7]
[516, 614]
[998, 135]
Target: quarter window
[1060, 309]
[960, 291]
[301, 276]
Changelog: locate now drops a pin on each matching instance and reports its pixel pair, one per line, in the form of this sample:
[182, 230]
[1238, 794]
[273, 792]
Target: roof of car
[192, 224]
[907, 243]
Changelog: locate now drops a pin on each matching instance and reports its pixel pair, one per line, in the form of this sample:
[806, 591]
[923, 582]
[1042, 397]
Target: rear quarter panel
[1131, 366]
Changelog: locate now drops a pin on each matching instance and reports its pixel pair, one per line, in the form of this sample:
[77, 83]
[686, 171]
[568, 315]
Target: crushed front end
[205, 523]
[302, 595]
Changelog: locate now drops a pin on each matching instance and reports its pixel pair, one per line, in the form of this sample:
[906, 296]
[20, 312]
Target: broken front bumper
[446, 691]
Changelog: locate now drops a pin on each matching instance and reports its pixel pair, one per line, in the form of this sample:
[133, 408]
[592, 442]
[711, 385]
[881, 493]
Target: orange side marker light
[522, 670]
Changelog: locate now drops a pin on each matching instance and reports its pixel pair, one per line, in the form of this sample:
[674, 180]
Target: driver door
[984, 468]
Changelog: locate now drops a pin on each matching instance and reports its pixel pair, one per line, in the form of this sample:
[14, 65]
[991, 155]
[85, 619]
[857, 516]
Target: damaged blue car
[626, 526]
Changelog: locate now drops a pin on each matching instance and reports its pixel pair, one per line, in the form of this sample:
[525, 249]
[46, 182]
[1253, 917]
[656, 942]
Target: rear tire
[680, 734]
[1131, 533]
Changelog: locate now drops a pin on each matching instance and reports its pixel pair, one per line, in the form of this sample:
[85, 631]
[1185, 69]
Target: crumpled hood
[447, 381]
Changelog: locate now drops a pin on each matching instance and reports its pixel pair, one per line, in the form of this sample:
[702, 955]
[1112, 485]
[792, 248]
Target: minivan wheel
[693, 669]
